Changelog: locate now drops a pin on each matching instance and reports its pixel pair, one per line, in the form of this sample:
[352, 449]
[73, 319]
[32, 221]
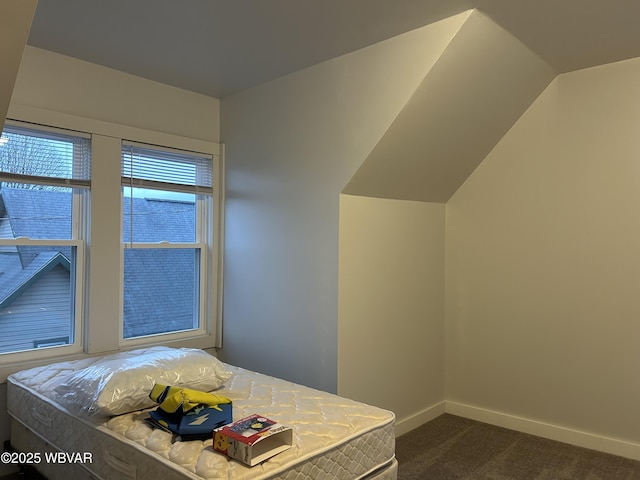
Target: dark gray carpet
[456, 448]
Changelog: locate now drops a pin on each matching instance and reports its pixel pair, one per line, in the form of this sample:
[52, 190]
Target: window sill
[203, 343]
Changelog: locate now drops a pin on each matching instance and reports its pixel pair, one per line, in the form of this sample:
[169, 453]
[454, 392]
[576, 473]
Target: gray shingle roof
[160, 286]
[157, 220]
[41, 214]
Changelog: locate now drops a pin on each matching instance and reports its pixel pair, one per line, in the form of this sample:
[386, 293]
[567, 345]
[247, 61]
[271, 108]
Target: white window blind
[46, 157]
[163, 169]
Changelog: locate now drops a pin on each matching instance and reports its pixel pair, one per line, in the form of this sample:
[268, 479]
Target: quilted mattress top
[333, 436]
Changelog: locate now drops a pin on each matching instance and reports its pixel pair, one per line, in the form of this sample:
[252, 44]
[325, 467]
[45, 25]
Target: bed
[57, 413]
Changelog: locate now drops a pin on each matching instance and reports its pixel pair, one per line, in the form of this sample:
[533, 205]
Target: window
[44, 185]
[146, 269]
[167, 237]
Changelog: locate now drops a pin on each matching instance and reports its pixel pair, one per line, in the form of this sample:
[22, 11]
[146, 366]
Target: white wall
[543, 268]
[291, 147]
[391, 306]
[50, 81]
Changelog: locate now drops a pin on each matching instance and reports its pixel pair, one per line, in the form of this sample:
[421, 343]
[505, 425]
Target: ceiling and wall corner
[216, 48]
[292, 144]
[49, 81]
[15, 22]
[482, 83]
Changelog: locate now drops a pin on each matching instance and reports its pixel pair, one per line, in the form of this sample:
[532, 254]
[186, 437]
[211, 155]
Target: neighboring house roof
[157, 220]
[155, 299]
[43, 216]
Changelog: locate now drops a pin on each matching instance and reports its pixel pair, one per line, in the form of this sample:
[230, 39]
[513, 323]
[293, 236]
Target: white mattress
[334, 437]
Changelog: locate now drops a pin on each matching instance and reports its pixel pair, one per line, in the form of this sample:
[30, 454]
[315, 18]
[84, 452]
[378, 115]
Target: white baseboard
[540, 429]
[404, 425]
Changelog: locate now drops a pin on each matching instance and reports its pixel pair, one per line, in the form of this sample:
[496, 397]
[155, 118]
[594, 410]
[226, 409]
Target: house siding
[41, 313]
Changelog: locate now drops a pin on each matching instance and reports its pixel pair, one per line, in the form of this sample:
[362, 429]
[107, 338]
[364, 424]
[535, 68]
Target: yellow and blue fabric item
[176, 399]
[192, 414]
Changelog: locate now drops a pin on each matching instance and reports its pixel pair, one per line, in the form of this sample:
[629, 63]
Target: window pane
[158, 216]
[36, 297]
[160, 290]
[36, 211]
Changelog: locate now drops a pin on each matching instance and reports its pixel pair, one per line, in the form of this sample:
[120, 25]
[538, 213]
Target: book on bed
[252, 439]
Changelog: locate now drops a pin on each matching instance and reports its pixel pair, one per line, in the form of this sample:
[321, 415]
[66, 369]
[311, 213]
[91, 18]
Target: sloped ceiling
[478, 88]
[481, 85]
[217, 47]
[15, 22]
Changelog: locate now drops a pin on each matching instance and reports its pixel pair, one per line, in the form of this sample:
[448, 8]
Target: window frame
[80, 200]
[99, 331]
[203, 241]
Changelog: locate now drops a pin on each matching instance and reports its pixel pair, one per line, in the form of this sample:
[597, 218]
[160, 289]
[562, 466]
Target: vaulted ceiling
[483, 81]
[220, 47]
[216, 47]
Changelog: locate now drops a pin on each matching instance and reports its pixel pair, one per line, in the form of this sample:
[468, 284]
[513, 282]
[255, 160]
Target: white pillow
[120, 383]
